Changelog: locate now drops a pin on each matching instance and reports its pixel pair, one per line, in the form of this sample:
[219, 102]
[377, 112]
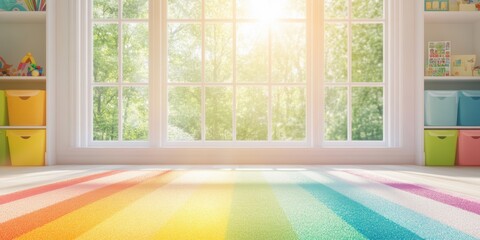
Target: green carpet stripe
[255, 212]
[310, 218]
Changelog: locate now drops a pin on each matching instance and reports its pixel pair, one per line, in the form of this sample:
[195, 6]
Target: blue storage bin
[469, 108]
[441, 108]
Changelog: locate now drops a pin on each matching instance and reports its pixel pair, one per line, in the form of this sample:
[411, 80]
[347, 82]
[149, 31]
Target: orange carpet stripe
[143, 218]
[21, 225]
[50, 187]
[78, 222]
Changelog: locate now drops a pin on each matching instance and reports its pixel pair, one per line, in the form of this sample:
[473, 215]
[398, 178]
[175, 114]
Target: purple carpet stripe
[465, 204]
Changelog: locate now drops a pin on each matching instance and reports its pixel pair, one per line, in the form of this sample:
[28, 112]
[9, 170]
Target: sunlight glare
[266, 11]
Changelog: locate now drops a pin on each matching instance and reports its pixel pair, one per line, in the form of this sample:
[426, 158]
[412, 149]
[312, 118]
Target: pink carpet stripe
[465, 204]
[50, 187]
[11, 210]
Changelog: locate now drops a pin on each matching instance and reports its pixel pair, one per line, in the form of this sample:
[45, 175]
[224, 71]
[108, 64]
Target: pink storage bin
[468, 153]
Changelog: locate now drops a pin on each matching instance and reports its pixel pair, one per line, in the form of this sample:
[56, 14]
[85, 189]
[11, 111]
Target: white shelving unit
[463, 30]
[26, 32]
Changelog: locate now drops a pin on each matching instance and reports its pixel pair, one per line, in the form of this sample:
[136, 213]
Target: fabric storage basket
[469, 108]
[440, 147]
[441, 108]
[4, 153]
[27, 147]
[469, 148]
[26, 107]
[3, 109]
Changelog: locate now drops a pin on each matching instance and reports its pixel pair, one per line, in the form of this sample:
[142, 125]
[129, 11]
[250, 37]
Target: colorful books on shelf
[463, 65]
[438, 62]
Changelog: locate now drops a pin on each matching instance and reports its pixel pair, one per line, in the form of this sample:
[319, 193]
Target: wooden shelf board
[22, 127]
[22, 79]
[452, 127]
[452, 79]
[22, 17]
[452, 17]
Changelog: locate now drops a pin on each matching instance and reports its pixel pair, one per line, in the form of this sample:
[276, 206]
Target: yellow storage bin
[26, 107]
[27, 147]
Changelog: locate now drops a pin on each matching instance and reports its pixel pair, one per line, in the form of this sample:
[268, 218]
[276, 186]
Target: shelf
[21, 127]
[22, 79]
[22, 17]
[452, 17]
[451, 127]
[452, 79]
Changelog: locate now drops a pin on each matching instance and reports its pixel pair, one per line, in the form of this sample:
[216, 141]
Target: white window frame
[119, 85]
[315, 88]
[349, 84]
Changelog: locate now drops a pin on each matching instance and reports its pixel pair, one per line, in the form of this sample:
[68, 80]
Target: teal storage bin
[3, 109]
[469, 108]
[441, 108]
[4, 151]
[440, 147]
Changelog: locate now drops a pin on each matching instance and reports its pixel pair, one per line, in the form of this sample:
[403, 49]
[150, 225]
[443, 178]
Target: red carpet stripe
[448, 199]
[21, 225]
[50, 187]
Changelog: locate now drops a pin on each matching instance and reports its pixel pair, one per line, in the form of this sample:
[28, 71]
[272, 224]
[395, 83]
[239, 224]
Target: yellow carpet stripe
[76, 223]
[152, 211]
[206, 214]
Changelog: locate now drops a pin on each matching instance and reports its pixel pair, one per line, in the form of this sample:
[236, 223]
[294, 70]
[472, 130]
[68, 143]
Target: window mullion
[270, 91]
[349, 73]
[120, 71]
[203, 91]
[234, 73]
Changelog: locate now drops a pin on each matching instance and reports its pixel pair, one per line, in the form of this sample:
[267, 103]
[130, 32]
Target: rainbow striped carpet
[328, 202]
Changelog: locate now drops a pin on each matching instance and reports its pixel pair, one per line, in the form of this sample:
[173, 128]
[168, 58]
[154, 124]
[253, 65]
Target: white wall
[66, 120]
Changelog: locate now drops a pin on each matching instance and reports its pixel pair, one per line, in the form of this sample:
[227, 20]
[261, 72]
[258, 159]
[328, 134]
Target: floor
[240, 202]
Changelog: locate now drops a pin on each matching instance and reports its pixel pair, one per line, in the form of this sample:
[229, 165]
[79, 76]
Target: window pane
[366, 9]
[251, 8]
[105, 9]
[184, 53]
[135, 52]
[289, 53]
[336, 53]
[184, 114]
[181, 9]
[219, 9]
[289, 113]
[294, 9]
[135, 113]
[137, 9]
[367, 113]
[219, 102]
[252, 53]
[218, 53]
[105, 114]
[105, 52]
[336, 114]
[336, 9]
[252, 113]
[367, 53]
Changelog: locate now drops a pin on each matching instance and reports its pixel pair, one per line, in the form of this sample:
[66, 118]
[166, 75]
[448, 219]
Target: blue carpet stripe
[371, 224]
[419, 224]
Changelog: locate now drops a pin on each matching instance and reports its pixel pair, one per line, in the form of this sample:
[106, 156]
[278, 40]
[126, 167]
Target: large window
[354, 70]
[238, 72]
[119, 85]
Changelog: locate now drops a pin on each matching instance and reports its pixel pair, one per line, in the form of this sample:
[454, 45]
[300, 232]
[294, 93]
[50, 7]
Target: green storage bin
[3, 109]
[4, 153]
[440, 147]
